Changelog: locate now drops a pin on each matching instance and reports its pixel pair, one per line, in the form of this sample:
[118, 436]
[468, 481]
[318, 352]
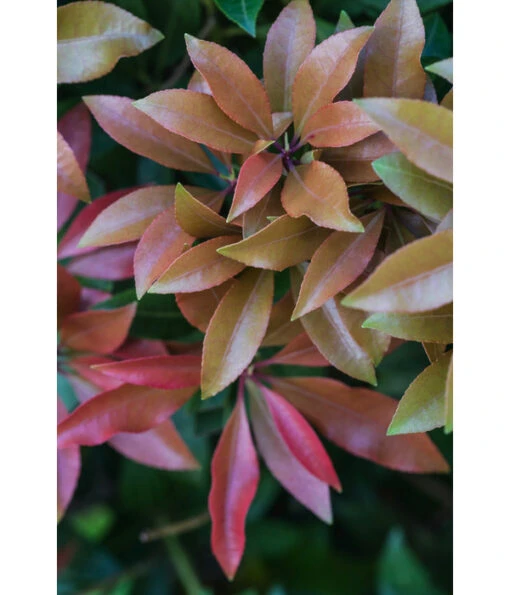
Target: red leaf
[68, 470]
[235, 475]
[82, 366]
[300, 438]
[161, 447]
[283, 464]
[68, 294]
[159, 371]
[124, 409]
[356, 419]
[235, 88]
[112, 263]
[97, 331]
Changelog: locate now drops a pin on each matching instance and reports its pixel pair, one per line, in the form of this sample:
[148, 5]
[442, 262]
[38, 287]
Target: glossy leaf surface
[242, 12]
[93, 36]
[236, 330]
[235, 476]
[416, 278]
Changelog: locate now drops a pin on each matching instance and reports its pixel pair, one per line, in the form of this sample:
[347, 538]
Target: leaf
[97, 331]
[128, 217]
[70, 178]
[300, 351]
[325, 72]
[443, 68]
[289, 41]
[447, 100]
[281, 461]
[68, 470]
[235, 476]
[434, 350]
[68, 294]
[236, 90]
[236, 330]
[422, 408]
[319, 192]
[93, 36]
[198, 308]
[338, 125]
[199, 268]
[112, 263]
[241, 12]
[416, 278]
[197, 219]
[393, 53]
[339, 261]
[356, 419]
[281, 329]
[161, 447]
[161, 244]
[448, 398]
[197, 117]
[422, 131]
[263, 213]
[141, 134]
[283, 243]
[124, 409]
[300, 438]
[428, 195]
[257, 176]
[432, 326]
[158, 371]
[354, 163]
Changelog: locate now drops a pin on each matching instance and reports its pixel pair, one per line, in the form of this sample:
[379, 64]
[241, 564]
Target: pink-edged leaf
[289, 42]
[319, 192]
[234, 87]
[199, 268]
[393, 53]
[300, 438]
[197, 219]
[141, 134]
[162, 448]
[300, 351]
[127, 218]
[354, 163]
[125, 409]
[284, 242]
[97, 331]
[68, 245]
[68, 294]
[198, 308]
[339, 261]
[281, 329]
[162, 242]
[197, 117]
[338, 125]
[235, 476]
[236, 330]
[415, 278]
[70, 178]
[281, 461]
[159, 371]
[422, 131]
[68, 470]
[356, 419]
[325, 72]
[112, 263]
[257, 176]
[82, 365]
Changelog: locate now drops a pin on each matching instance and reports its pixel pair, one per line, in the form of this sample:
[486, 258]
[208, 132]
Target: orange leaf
[393, 52]
[68, 294]
[257, 217]
[236, 330]
[281, 329]
[199, 268]
[338, 125]
[300, 351]
[197, 117]
[70, 178]
[283, 243]
[422, 131]
[198, 308]
[289, 41]
[137, 132]
[325, 72]
[234, 87]
[319, 192]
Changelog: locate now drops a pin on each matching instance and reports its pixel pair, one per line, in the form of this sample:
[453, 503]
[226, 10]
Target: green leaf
[242, 12]
[94, 523]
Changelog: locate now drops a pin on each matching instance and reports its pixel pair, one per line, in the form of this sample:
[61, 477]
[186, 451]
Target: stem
[183, 567]
[175, 528]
